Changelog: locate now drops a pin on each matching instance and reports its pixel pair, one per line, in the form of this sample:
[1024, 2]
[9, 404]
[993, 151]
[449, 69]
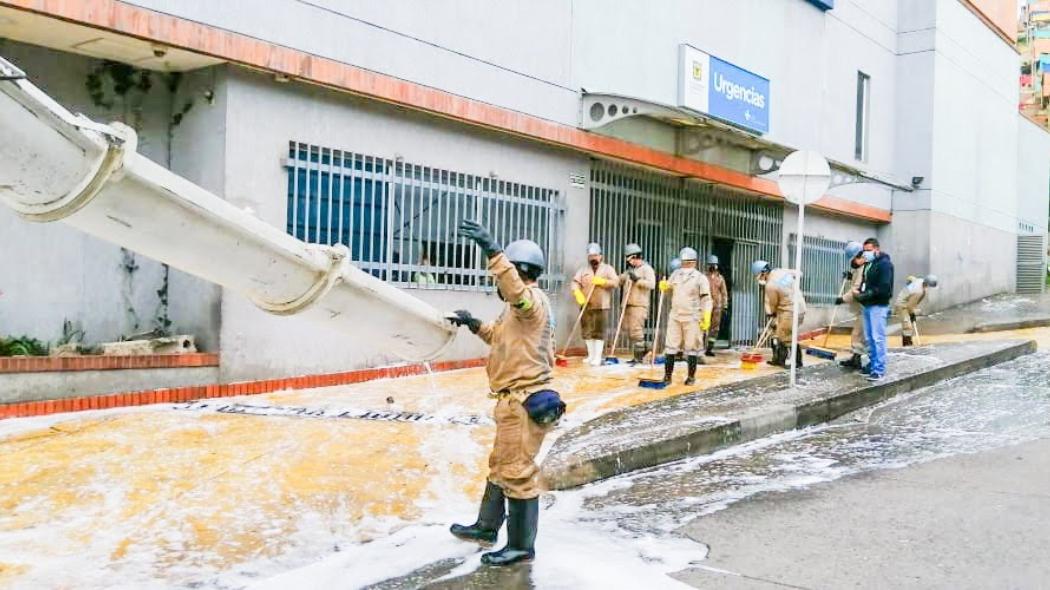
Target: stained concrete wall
[257, 345]
[29, 387]
[50, 273]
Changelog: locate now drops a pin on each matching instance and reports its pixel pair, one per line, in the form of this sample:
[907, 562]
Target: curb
[1013, 325]
[765, 421]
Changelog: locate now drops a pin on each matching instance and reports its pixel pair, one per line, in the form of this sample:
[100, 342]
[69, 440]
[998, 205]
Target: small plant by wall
[22, 346]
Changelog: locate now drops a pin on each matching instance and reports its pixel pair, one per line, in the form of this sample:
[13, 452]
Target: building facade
[379, 125]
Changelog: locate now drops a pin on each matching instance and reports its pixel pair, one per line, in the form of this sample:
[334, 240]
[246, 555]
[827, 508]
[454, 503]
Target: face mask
[869, 255]
[762, 282]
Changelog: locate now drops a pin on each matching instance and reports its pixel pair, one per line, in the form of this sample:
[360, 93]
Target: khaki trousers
[512, 463]
[682, 336]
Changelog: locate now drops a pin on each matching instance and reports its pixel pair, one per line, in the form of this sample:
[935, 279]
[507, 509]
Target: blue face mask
[869, 255]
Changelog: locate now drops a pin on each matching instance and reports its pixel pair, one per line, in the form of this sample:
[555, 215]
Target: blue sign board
[722, 90]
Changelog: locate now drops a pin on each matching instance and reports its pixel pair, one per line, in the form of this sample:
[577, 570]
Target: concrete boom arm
[56, 166]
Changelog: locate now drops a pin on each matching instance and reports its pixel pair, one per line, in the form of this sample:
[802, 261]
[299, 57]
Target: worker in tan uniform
[592, 287]
[907, 304]
[780, 298]
[857, 340]
[690, 314]
[638, 284]
[519, 369]
[719, 302]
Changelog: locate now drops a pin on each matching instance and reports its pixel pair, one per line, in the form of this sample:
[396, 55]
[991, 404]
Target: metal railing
[400, 220]
[823, 262]
[664, 213]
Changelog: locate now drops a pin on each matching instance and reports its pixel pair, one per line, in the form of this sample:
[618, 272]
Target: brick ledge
[47, 364]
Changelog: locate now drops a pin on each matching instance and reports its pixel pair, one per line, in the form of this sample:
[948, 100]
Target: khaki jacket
[780, 292]
[690, 294]
[642, 288]
[602, 298]
[522, 339]
[857, 279]
[719, 294]
[911, 295]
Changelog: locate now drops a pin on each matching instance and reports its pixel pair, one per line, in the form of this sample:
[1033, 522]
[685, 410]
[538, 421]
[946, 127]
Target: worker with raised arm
[519, 368]
[855, 275]
[638, 283]
[600, 277]
[690, 314]
[907, 304]
[719, 302]
[779, 304]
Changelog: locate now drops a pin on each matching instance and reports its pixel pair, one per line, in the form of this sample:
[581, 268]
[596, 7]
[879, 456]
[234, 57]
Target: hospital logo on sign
[698, 71]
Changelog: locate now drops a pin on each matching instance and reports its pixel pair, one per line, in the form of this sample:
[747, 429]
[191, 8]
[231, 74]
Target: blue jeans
[875, 331]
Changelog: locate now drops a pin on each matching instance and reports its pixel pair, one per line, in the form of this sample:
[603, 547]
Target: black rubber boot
[521, 534]
[639, 355]
[779, 355]
[710, 350]
[691, 363]
[853, 362]
[668, 367]
[490, 518]
[906, 341]
[798, 357]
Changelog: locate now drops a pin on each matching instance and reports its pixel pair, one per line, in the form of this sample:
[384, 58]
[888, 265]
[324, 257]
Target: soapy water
[621, 532]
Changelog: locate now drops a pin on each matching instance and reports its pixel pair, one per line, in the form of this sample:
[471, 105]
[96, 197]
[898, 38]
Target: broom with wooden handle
[823, 351]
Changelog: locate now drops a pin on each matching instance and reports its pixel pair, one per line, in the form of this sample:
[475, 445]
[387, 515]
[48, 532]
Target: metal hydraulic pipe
[56, 166]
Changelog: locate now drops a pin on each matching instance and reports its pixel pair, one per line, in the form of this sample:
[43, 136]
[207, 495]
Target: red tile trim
[134, 21]
[46, 364]
[183, 394]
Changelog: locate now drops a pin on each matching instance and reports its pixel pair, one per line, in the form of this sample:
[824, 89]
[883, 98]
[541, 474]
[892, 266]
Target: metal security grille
[823, 262]
[400, 220]
[1031, 264]
[665, 213]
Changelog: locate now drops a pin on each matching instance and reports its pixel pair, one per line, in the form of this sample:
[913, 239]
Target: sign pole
[799, 239]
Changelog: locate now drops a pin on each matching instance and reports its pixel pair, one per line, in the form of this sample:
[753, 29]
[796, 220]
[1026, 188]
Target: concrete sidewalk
[688, 425]
[991, 314]
[970, 521]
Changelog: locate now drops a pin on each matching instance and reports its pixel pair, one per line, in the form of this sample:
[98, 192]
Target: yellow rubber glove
[581, 299]
[664, 286]
[705, 324]
[599, 281]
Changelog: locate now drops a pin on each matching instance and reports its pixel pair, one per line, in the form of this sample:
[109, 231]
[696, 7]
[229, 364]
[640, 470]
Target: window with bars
[823, 262]
[400, 220]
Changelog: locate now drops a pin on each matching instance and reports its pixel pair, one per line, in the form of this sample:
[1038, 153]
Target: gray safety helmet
[676, 263]
[931, 280]
[758, 267]
[852, 249]
[525, 252]
[632, 250]
[593, 249]
[712, 260]
[688, 254]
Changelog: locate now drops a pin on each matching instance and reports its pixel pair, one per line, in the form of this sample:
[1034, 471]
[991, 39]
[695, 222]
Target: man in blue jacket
[874, 294]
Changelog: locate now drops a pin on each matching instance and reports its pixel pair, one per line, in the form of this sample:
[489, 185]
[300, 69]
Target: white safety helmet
[525, 252]
[688, 254]
[712, 260]
[931, 280]
[632, 250]
[852, 249]
[593, 249]
[758, 267]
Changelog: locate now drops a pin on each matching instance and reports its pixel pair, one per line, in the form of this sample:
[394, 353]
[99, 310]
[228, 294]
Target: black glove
[632, 274]
[770, 316]
[847, 275]
[912, 316]
[463, 318]
[839, 301]
[481, 236]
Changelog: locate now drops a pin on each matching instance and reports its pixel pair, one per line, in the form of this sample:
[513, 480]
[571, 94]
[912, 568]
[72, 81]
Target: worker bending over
[519, 370]
[690, 314]
[592, 287]
[780, 298]
[638, 283]
[907, 304]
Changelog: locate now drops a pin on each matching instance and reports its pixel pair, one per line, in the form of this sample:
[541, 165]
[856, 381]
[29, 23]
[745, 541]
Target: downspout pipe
[59, 167]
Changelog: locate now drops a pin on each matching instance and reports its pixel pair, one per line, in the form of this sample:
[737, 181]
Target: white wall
[257, 345]
[1033, 174]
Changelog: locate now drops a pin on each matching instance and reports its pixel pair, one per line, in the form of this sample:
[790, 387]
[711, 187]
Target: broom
[754, 357]
[560, 359]
[823, 351]
[655, 383]
[610, 359]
